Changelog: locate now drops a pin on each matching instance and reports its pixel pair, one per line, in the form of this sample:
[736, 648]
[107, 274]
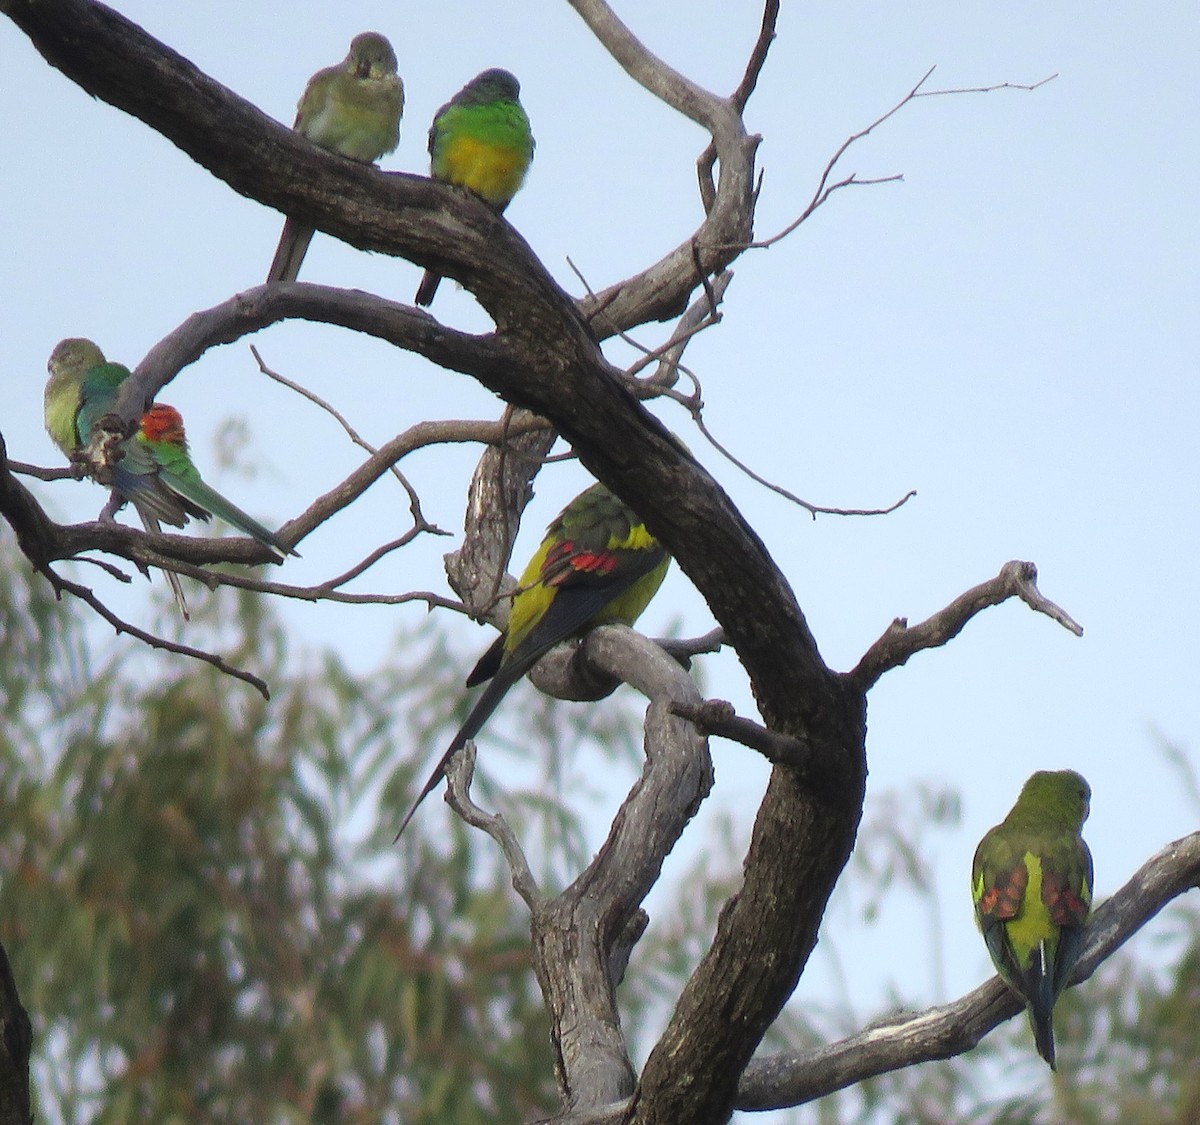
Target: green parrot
[154, 473]
[480, 140]
[1032, 887]
[352, 109]
[597, 565]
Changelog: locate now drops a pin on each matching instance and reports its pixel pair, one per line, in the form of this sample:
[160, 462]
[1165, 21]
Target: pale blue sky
[1012, 331]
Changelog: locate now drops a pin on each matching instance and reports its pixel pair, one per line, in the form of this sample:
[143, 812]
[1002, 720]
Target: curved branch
[253, 309]
[652, 73]
[795, 1078]
[579, 937]
[950, 1029]
[459, 773]
[900, 641]
[663, 289]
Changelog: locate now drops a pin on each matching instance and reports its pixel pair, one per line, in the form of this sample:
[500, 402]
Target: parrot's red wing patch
[566, 559]
[163, 423]
[1002, 899]
[1066, 906]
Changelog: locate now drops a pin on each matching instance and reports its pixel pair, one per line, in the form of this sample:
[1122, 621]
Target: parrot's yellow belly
[492, 172]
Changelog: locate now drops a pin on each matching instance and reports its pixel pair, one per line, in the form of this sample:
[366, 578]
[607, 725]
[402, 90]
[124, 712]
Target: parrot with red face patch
[155, 472]
[598, 565]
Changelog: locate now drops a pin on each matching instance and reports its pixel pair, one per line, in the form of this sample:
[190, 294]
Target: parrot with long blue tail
[155, 472]
[597, 565]
[1031, 883]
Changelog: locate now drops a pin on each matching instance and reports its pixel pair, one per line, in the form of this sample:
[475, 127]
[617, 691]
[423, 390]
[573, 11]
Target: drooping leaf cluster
[205, 915]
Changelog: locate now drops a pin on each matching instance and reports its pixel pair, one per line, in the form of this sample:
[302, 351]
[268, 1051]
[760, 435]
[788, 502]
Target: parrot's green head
[371, 56]
[74, 358]
[493, 85]
[1058, 796]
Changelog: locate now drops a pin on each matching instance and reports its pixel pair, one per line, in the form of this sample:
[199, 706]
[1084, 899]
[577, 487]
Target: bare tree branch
[682, 649]
[717, 717]
[420, 523]
[702, 313]
[323, 591]
[500, 489]
[578, 935]
[825, 189]
[662, 290]
[740, 96]
[950, 1029]
[459, 772]
[1016, 579]
[813, 509]
[39, 473]
[153, 640]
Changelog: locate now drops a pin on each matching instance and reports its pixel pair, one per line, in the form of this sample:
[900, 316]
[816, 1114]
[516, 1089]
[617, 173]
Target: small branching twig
[717, 716]
[324, 591]
[414, 501]
[85, 595]
[825, 189]
[460, 771]
[682, 649]
[813, 509]
[364, 565]
[112, 571]
[739, 98]
[36, 471]
[1028, 86]
[700, 315]
[900, 641]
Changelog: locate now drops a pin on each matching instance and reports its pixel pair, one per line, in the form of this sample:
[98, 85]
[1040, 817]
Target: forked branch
[950, 1029]
[901, 641]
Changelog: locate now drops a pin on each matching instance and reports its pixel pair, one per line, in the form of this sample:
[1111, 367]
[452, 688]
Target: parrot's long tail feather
[177, 590]
[1041, 1007]
[151, 524]
[209, 498]
[293, 245]
[427, 288]
[496, 690]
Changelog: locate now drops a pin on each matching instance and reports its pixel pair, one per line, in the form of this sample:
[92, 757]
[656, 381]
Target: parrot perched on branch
[154, 473]
[1032, 887]
[480, 140]
[353, 109]
[598, 565]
